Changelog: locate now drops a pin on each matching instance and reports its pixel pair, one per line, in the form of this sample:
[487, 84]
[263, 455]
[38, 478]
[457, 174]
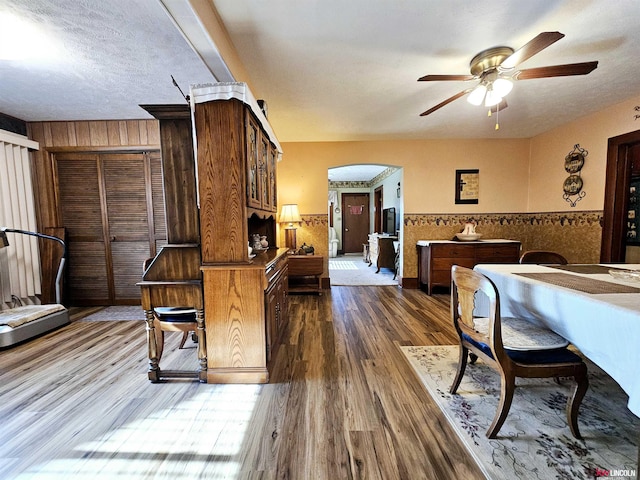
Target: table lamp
[290, 215]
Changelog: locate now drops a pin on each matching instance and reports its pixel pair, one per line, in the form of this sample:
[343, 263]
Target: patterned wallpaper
[576, 235]
[313, 230]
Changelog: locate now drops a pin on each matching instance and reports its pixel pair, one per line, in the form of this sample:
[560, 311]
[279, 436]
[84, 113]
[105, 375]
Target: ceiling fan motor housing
[489, 59]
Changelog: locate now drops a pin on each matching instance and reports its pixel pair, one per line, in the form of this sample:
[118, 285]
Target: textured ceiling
[354, 173]
[345, 70]
[108, 57]
[330, 71]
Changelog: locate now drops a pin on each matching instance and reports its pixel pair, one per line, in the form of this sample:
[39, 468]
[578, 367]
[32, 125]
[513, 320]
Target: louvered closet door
[113, 210]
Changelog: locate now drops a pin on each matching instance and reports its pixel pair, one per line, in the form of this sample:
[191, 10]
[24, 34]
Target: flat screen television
[389, 221]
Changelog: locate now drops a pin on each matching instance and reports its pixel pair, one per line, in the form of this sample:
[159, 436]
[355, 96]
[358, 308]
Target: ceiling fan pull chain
[497, 117]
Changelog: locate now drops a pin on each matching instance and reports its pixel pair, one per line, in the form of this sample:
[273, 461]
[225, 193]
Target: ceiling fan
[495, 68]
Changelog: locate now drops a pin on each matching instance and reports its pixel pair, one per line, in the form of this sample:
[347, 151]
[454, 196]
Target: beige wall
[516, 175]
[520, 185]
[429, 175]
[592, 133]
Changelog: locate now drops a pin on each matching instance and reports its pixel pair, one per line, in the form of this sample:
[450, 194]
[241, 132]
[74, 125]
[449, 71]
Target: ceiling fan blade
[566, 70]
[437, 78]
[446, 102]
[527, 51]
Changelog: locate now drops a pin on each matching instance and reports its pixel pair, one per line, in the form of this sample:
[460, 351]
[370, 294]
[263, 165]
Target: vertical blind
[20, 261]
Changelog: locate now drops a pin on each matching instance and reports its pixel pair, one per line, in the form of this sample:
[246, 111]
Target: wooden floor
[343, 403]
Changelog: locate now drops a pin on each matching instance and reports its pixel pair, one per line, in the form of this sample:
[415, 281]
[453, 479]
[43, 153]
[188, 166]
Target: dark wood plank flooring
[342, 403]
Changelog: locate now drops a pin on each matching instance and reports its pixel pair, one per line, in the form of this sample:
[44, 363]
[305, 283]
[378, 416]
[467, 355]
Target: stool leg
[159, 340]
[202, 345]
[154, 368]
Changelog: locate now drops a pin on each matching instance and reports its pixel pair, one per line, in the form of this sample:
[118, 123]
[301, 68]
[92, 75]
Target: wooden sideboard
[436, 257]
[381, 251]
[305, 272]
[245, 298]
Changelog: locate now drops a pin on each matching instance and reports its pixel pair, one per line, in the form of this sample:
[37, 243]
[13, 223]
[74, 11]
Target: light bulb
[477, 95]
[502, 86]
[492, 99]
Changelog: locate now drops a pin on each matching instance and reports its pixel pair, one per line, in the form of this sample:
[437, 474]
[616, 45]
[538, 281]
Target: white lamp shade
[502, 87]
[290, 214]
[492, 99]
[477, 95]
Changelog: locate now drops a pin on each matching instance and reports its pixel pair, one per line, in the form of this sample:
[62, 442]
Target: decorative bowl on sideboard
[468, 237]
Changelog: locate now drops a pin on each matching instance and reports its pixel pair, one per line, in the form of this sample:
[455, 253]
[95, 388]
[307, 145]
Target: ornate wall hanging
[573, 164]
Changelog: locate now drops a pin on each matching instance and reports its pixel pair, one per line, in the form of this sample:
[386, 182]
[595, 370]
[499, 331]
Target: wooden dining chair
[514, 347]
[542, 257]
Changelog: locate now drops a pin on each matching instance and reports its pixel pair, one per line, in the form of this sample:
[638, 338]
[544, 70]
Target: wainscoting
[576, 235]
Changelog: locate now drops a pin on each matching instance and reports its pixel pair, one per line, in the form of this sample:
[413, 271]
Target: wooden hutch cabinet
[245, 297]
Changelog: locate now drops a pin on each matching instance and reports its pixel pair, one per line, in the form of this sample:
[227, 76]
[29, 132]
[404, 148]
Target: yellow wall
[516, 175]
[592, 133]
[429, 175]
[520, 180]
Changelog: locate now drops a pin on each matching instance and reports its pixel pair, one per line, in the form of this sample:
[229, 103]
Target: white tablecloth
[605, 327]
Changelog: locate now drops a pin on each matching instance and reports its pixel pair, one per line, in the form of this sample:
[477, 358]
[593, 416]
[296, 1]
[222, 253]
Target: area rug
[117, 312]
[354, 272]
[535, 441]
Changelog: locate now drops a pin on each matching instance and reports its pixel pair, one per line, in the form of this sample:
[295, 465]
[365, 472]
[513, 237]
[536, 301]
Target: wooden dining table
[585, 304]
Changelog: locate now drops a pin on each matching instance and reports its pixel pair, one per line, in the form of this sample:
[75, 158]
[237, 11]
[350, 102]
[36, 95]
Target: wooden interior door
[620, 157]
[113, 210]
[355, 221]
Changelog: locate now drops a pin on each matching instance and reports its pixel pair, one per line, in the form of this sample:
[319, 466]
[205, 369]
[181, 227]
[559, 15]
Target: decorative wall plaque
[573, 163]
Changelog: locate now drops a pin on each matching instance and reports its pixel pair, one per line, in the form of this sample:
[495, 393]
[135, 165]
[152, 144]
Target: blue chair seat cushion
[175, 314]
[531, 357]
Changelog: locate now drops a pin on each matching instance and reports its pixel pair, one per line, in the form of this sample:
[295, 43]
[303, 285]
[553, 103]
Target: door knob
[346, 229]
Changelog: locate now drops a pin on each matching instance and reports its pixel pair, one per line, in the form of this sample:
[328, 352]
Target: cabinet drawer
[497, 253]
[446, 263]
[452, 250]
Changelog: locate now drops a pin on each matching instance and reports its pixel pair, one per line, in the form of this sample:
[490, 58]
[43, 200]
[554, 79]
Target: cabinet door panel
[271, 180]
[253, 163]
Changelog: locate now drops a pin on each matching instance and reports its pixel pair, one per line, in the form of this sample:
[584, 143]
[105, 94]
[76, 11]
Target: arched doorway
[373, 189]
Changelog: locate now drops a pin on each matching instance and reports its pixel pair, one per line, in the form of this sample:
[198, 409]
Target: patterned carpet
[535, 441]
[352, 271]
[116, 313]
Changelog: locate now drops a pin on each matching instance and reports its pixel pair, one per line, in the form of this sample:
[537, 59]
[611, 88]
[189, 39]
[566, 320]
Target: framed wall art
[467, 186]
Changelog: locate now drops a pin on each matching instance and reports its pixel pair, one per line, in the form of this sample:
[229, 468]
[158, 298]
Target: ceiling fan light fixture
[477, 95]
[502, 86]
[492, 98]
